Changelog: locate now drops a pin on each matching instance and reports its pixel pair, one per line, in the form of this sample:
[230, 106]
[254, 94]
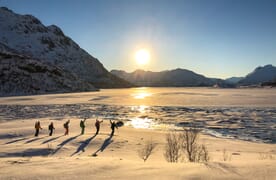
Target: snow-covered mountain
[260, 75]
[176, 78]
[26, 35]
[23, 75]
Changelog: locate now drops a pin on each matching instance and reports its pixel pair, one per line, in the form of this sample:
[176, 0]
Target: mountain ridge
[47, 48]
[23, 75]
[27, 36]
[176, 77]
[261, 75]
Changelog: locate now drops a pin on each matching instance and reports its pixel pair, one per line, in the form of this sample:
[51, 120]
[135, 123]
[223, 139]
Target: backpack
[119, 123]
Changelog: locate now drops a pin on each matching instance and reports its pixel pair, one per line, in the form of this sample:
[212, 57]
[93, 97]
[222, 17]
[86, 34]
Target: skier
[82, 125]
[97, 125]
[51, 128]
[37, 127]
[112, 126]
[66, 126]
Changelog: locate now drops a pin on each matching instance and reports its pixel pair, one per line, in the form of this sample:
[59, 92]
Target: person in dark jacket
[112, 126]
[97, 125]
[37, 127]
[51, 128]
[82, 125]
[66, 126]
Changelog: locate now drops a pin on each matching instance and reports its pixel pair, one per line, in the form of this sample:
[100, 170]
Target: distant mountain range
[181, 78]
[175, 78]
[37, 59]
[234, 80]
[47, 47]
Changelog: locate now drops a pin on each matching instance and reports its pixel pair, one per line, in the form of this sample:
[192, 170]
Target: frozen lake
[248, 114]
[158, 97]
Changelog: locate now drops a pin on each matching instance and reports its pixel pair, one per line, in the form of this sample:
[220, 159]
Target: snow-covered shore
[24, 156]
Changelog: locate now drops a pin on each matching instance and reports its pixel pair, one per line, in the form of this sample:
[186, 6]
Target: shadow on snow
[64, 142]
[52, 139]
[34, 139]
[106, 143]
[16, 140]
[83, 145]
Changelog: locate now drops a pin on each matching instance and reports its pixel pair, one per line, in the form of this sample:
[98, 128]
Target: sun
[142, 57]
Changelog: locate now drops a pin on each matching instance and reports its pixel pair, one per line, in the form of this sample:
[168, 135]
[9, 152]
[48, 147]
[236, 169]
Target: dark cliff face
[49, 45]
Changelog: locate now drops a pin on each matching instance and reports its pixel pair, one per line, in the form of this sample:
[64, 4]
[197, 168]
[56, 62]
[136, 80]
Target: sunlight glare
[141, 95]
[142, 56]
[144, 123]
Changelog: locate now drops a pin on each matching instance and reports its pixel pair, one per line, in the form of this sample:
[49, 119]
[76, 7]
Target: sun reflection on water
[141, 109]
[140, 119]
[144, 123]
[141, 95]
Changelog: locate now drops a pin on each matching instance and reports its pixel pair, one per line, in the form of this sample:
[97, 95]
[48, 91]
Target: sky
[216, 38]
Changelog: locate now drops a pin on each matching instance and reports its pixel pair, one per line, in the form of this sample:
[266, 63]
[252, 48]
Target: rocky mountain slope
[23, 75]
[50, 46]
